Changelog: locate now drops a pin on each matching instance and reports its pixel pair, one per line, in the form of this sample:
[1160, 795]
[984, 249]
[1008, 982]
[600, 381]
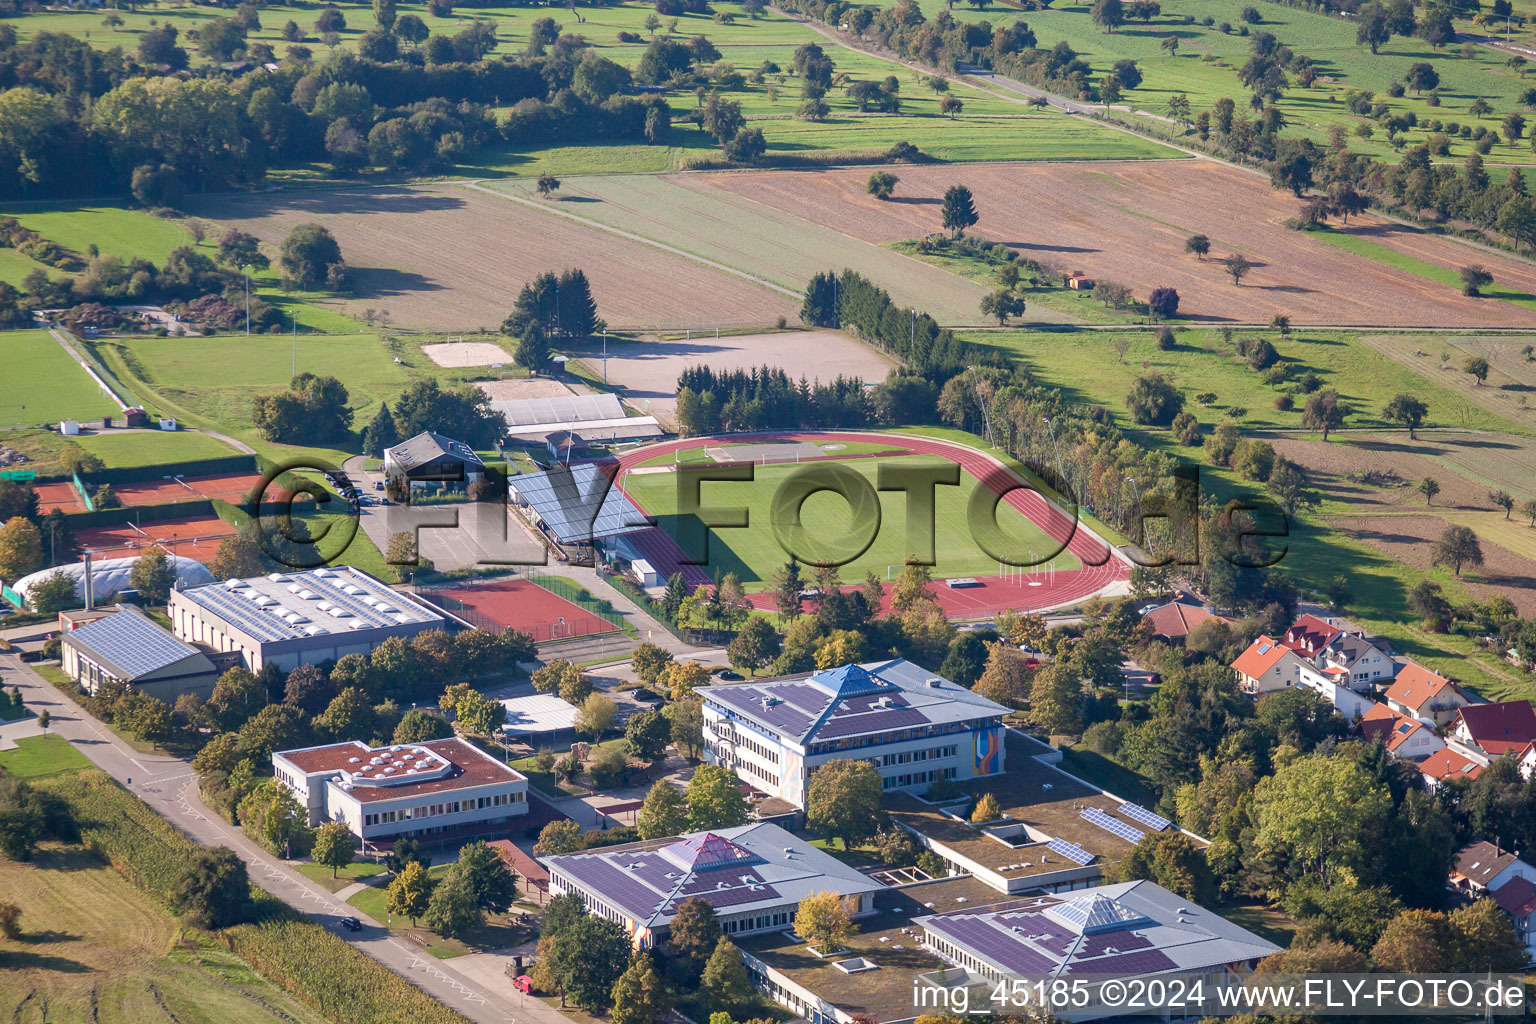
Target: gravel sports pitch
[648, 370]
[1127, 221]
[1088, 565]
[451, 258]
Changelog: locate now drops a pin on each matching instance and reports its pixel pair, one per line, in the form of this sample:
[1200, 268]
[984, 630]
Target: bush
[1165, 339]
[1284, 403]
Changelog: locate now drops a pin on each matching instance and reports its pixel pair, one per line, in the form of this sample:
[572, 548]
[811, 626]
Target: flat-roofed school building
[436, 790]
[298, 618]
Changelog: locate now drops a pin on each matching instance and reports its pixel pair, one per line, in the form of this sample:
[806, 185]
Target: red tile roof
[1516, 897]
[1175, 619]
[1392, 728]
[1310, 634]
[1263, 655]
[470, 767]
[1446, 763]
[1503, 728]
[1415, 686]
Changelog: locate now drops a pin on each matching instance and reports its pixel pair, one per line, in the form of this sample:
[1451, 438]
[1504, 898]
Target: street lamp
[246, 268]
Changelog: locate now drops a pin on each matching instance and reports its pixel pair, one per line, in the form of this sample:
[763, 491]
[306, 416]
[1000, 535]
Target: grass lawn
[37, 757]
[755, 553]
[1262, 919]
[126, 233]
[153, 447]
[1208, 60]
[867, 856]
[1086, 369]
[43, 384]
[496, 933]
[96, 949]
[357, 871]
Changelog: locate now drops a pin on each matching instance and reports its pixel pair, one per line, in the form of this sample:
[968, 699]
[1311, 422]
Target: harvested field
[450, 258]
[1380, 473]
[1408, 539]
[775, 244]
[647, 370]
[529, 387]
[1127, 222]
[467, 353]
[1511, 379]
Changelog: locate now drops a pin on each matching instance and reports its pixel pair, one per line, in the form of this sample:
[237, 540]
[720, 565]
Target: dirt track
[1127, 222]
[453, 259]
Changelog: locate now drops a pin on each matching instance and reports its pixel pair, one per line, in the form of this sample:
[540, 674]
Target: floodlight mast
[986, 414]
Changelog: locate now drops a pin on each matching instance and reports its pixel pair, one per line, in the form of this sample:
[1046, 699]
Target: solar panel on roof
[1136, 812]
[132, 643]
[1094, 816]
[1074, 853]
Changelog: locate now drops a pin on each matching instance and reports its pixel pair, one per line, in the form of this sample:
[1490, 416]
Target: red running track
[1102, 566]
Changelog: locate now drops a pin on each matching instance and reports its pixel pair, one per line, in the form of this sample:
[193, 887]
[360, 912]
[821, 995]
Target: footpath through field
[1104, 569]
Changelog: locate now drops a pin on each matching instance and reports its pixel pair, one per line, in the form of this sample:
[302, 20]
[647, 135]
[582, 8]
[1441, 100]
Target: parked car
[378, 485]
[728, 675]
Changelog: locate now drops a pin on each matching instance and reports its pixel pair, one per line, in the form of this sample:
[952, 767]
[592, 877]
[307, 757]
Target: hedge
[140, 514]
[321, 970]
[197, 467]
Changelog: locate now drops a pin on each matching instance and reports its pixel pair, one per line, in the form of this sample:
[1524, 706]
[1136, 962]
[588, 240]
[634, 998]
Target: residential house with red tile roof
[1449, 763]
[1484, 867]
[1425, 695]
[1517, 898]
[1495, 729]
[1173, 621]
[1403, 736]
[1327, 644]
[1266, 666]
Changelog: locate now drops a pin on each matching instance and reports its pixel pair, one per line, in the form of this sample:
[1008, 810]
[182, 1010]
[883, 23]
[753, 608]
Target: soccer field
[754, 552]
[42, 384]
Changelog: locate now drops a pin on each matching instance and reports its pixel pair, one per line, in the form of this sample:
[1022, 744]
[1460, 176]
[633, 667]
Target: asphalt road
[168, 785]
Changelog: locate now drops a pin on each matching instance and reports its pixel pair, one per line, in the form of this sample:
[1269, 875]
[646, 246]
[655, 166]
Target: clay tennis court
[230, 487]
[61, 496]
[196, 537]
[522, 605]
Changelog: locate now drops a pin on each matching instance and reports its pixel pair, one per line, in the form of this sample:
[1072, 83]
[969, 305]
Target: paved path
[168, 785]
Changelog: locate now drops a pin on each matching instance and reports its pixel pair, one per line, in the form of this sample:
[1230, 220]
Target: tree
[381, 433]
[1002, 304]
[563, 836]
[10, 920]
[240, 249]
[419, 725]
[986, 810]
[687, 719]
[725, 980]
[452, 910]
[406, 850]
[823, 921]
[754, 646]
[1317, 813]
[1108, 14]
[1154, 400]
[1163, 303]
[951, 106]
[1457, 546]
[881, 184]
[1408, 410]
[1483, 939]
[1414, 942]
[21, 548]
[1200, 245]
[1477, 366]
[597, 715]
[308, 253]
[53, 593]
[664, 812]
[1517, 219]
[1238, 266]
[586, 959]
[1324, 412]
[1528, 510]
[410, 892]
[1503, 500]
[714, 799]
[1170, 860]
[959, 209]
[1429, 487]
[213, 890]
[153, 575]
[843, 801]
[272, 817]
[640, 996]
[333, 846]
[694, 934]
